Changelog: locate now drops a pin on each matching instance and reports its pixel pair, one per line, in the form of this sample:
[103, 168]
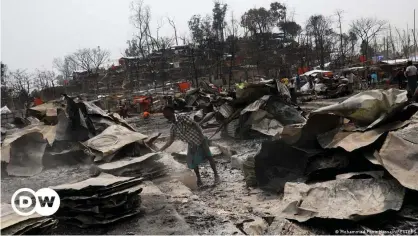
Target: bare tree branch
[173, 25]
[367, 29]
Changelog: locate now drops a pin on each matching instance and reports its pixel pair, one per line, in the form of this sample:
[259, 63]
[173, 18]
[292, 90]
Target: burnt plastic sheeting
[277, 163]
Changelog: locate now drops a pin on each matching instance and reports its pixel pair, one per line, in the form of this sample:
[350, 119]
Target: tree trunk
[194, 68]
[322, 55]
[231, 62]
[367, 49]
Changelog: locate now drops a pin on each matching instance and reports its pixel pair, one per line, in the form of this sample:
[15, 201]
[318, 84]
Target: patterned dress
[188, 131]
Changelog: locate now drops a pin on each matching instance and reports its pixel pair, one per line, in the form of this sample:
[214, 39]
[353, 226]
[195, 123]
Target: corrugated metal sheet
[226, 110]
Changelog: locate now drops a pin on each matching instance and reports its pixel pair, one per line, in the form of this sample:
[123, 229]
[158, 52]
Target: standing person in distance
[411, 75]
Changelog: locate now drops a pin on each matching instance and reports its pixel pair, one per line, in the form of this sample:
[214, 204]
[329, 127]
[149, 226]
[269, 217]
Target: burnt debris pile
[355, 162]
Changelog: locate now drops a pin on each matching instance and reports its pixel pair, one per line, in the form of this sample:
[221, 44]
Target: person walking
[374, 79]
[292, 90]
[297, 82]
[411, 76]
[400, 77]
[188, 131]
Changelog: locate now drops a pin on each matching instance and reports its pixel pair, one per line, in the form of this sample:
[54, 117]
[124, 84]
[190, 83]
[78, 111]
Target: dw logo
[46, 202]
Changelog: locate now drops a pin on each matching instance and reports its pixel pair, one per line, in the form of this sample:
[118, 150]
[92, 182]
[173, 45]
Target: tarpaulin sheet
[112, 140]
[351, 141]
[184, 86]
[368, 108]
[399, 156]
[341, 199]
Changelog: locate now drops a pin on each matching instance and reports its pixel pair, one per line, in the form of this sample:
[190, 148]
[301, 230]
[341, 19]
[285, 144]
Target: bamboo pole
[415, 40]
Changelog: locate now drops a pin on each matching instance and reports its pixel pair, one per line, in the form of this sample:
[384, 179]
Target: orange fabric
[302, 70]
[328, 74]
[38, 101]
[184, 86]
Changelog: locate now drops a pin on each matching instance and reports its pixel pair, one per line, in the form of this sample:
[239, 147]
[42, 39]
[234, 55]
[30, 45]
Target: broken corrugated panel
[341, 199]
[100, 200]
[399, 156]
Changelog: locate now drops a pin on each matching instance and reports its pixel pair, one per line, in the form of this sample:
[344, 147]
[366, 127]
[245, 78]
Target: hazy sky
[33, 32]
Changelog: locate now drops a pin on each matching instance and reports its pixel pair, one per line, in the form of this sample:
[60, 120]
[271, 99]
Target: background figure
[310, 81]
[297, 82]
[292, 90]
[411, 76]
[400, 77]
[374, 79]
